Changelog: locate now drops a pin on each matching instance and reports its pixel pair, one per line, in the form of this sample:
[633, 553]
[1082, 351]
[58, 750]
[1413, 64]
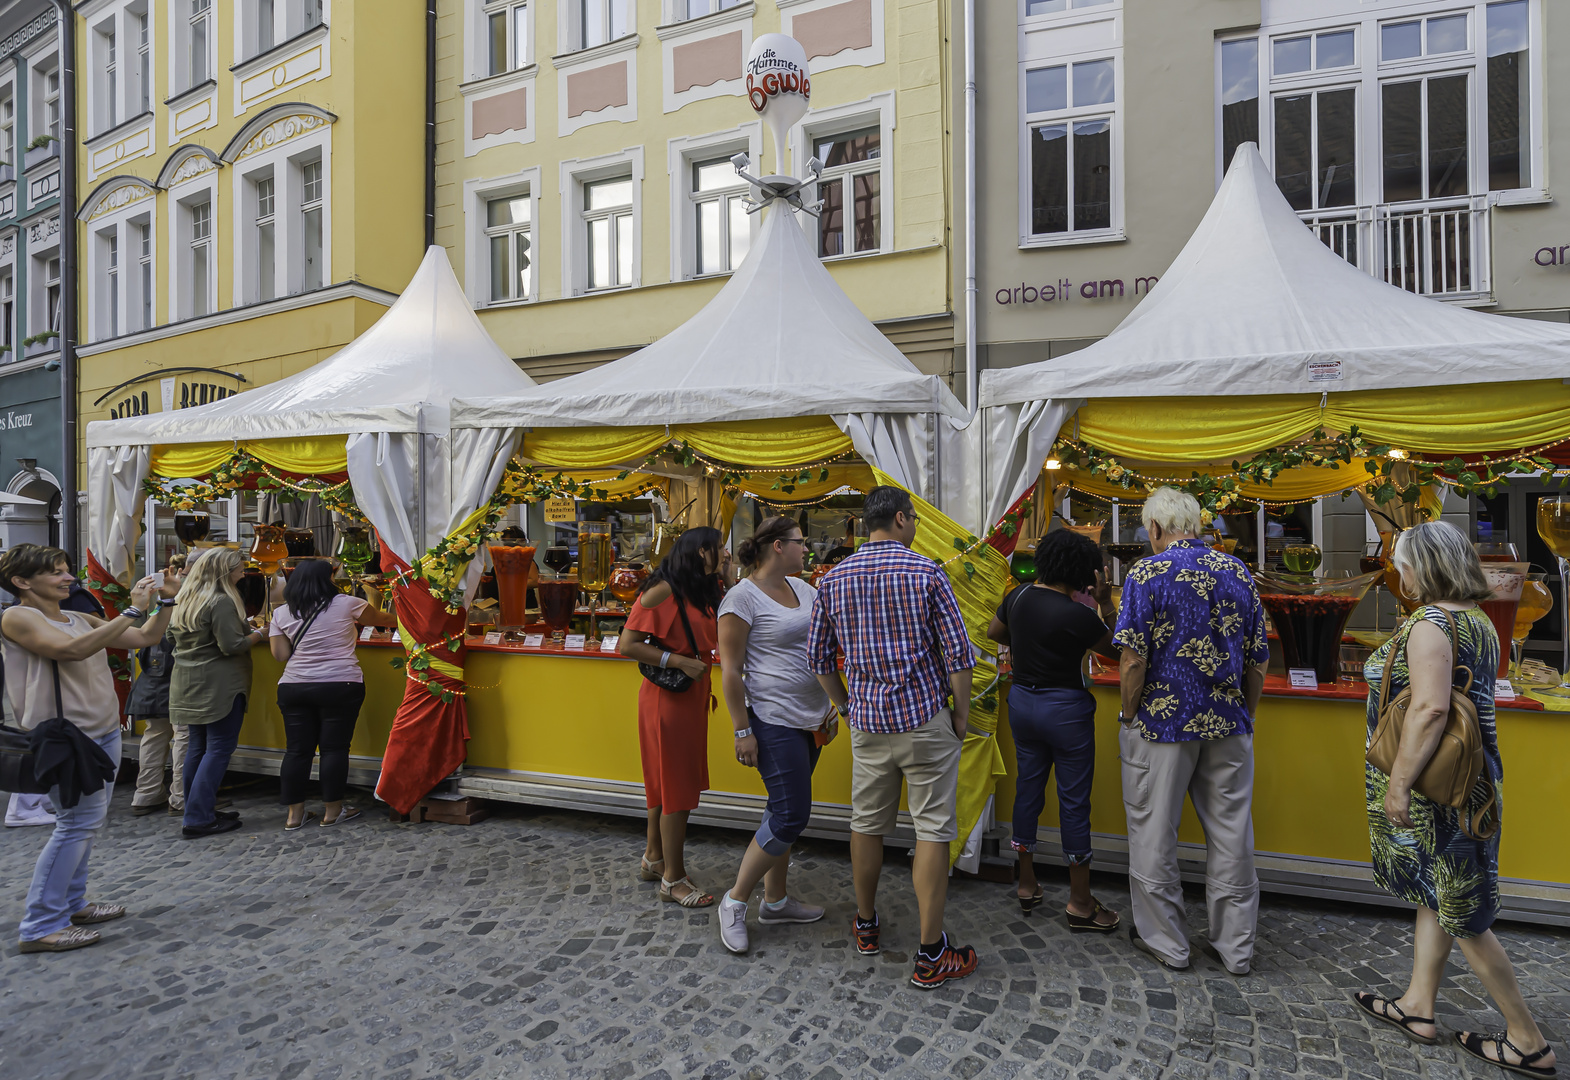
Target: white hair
[1175, 511]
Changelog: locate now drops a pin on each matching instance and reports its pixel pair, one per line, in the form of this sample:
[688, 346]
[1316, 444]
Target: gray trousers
[1218, 776]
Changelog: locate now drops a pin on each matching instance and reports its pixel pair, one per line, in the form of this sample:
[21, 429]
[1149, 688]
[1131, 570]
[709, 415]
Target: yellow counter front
[562, 730]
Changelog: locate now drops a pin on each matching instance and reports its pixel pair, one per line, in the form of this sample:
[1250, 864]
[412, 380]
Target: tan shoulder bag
[1457, 762]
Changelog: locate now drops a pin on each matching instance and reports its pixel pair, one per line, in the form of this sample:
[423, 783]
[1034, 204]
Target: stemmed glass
[595, 557]
[1373, 559]
[1536, 601]
[1553, 525]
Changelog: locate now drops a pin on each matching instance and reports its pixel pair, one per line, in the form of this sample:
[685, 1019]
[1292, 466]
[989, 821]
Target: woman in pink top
[321, 689]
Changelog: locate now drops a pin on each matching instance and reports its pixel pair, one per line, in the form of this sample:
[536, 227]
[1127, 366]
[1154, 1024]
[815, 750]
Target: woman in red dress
[673, 727]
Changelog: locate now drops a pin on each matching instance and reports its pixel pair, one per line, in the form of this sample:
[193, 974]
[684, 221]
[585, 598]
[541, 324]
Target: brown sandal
[1078, 923]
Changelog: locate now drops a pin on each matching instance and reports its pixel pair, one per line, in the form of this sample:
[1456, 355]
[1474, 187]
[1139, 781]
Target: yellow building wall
[911, 280]
[376, 188]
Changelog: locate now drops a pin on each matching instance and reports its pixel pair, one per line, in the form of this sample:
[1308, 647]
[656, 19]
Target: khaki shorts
[927, 759]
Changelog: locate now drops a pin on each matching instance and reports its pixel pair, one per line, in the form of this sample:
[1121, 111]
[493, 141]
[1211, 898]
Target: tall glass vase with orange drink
[1553, 525]
[1507, 580]
[1536, 601]
[596, 556]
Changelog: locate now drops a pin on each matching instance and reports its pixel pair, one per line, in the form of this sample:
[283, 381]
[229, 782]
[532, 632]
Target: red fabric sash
[429, 736]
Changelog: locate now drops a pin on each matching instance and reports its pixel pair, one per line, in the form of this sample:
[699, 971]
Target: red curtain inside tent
[428, 736]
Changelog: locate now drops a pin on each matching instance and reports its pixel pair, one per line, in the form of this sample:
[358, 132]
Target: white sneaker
[39, 816]
[789, 910]
[733, 924]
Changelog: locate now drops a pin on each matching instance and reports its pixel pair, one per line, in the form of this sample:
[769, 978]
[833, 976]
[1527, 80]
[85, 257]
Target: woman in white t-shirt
[781, 714]
[321, 689]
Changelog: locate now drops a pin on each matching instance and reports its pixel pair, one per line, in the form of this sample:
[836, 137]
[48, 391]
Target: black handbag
[16, 753]
[668, 678]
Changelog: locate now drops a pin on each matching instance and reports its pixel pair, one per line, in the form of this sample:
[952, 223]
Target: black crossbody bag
[16, 752]
[668, 678]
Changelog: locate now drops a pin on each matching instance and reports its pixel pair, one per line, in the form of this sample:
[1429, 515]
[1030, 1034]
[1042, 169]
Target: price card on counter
[558, 511]
[365, 632]
[1304, 678]
[395, 638]
[533, 641]
[608, 643]
[493, 637]
[576, 641]
[1504, 690]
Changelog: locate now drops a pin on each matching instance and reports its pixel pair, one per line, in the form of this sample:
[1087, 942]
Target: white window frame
[1112, 110]
[289, 19]
[46, 102]
[481, 12]
[140, 19]
[8, 154]
[677, 11]
[181, 198]
[283, 163]
[1371, 73]
[259, 274]
[875, 111]
[570, 28]
[143, 288]
[477, 193]
[301, 165]
[574, 175]
[182, 76]
[511, 231]
[39, 317]
[8, 336]
[117, 309]
[106, 54]
[686, 151]
[1074, 10]
[105, 282]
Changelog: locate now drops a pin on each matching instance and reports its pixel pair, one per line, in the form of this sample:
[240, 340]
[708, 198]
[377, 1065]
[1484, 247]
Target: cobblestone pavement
[525, 946]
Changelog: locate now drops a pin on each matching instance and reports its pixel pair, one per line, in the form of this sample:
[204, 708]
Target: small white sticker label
[396, 638]
[577, 641]
[533, 641]
[493, 637]
[608, 643]
[365, 632]
[1324, 371]
[1304, 678]
[1504, 690]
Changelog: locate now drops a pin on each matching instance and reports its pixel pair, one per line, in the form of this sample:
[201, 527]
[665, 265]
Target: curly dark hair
[1064, 557]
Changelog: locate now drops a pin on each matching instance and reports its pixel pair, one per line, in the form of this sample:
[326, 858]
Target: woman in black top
[1052, 715]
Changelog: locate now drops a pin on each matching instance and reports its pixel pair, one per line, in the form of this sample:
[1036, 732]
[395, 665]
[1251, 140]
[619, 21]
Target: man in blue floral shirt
[1192, 633]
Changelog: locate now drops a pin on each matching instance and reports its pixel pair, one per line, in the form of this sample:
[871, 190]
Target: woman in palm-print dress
[1421, 852]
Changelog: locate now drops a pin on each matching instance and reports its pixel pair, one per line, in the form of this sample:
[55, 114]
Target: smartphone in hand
[157, 577]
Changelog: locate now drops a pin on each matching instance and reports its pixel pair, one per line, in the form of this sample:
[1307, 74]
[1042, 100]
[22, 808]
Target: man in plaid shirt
[894, 615]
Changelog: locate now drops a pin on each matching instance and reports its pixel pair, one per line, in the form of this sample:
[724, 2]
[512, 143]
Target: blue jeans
[1054, 728]
[786, 758]
[59, 888]
[206, 761]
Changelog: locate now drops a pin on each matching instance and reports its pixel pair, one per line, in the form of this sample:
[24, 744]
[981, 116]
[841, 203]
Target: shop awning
[1255, 304]
[1258, 334]
[781, 339]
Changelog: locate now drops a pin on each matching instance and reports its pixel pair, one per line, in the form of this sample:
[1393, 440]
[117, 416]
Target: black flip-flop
[1398, 1018]
[1472, 1043]
[1078, 923]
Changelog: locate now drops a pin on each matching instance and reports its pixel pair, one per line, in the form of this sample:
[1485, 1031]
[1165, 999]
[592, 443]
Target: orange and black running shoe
[951, 963]
[866, 935]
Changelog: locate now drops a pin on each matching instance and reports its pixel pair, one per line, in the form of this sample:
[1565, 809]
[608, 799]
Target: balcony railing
[1439, 249]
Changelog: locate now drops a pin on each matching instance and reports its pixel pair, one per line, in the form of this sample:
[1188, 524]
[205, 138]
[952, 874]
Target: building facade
[253, 189]
[1416, 137]
[30, 271]
[585, 192]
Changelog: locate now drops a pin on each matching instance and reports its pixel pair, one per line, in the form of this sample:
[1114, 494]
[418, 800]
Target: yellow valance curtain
[1436, 421]
[751, 444]
[1293, 485]
[306, 456]
[858, 477]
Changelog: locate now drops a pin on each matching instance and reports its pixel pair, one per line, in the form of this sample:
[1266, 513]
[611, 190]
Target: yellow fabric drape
[1290, 486]
[858, 477]
[307, 456]
[1432, 420]
[605, 479]
[752, 444]
[979, 592]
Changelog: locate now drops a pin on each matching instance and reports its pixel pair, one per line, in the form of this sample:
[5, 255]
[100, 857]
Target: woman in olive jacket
[211, 681]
